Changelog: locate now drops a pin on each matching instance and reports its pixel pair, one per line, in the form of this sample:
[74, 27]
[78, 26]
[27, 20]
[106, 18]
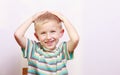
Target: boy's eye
[43, 33]
[53, 31]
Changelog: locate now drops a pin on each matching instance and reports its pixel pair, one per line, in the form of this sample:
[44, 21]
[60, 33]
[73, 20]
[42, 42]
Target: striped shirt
[41, 62]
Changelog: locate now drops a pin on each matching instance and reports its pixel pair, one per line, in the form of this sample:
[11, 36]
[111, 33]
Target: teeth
[49, 41]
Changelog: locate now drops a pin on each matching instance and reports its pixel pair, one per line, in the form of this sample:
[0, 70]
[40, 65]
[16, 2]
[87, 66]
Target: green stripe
[52, 68]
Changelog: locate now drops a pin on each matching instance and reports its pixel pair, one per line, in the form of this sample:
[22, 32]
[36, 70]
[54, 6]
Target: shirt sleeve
[27, 51]
[68, 56]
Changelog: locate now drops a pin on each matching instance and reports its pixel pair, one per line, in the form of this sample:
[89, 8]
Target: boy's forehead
[48, 23]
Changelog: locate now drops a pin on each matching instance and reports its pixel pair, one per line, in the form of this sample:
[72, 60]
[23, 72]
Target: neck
[48, 50]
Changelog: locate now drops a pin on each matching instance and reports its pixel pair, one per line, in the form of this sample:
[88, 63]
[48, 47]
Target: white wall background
[97, 22]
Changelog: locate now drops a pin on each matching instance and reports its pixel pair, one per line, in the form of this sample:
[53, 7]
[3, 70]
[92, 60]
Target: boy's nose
[48, 36]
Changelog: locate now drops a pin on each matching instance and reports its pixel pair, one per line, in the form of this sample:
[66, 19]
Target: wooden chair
[24, 71]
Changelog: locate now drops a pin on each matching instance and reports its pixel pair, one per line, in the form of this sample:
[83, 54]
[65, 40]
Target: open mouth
[49, 42]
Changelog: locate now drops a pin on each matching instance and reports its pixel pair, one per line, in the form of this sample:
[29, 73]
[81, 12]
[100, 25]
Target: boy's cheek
[41, 39]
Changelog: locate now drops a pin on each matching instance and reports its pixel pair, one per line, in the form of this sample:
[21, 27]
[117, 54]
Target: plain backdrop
[97, 22]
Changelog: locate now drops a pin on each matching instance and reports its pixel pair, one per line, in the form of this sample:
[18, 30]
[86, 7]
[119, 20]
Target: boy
[44, 57]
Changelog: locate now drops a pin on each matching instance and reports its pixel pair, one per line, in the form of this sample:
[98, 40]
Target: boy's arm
[20, 32]
[73, 35]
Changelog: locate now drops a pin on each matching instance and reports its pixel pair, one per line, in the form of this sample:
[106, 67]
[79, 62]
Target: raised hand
[34, 17]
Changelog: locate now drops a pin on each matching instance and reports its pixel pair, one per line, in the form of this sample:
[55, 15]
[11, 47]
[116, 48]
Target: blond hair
[45, 18]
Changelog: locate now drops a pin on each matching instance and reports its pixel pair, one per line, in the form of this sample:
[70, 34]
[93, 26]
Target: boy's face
[49, 33]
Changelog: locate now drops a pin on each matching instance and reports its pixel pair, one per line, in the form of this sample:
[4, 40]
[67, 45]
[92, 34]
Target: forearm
[20, 32]
[73, 35]
[23, 28]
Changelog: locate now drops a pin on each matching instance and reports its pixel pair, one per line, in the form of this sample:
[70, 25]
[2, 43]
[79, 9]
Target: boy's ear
[61, 33]
[36, 35]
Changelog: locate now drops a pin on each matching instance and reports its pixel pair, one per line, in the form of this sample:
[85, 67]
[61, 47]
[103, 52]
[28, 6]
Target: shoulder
[62, 45]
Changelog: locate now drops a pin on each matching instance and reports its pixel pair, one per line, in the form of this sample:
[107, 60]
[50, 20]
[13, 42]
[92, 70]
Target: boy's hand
[59, 15]
[34, 17]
